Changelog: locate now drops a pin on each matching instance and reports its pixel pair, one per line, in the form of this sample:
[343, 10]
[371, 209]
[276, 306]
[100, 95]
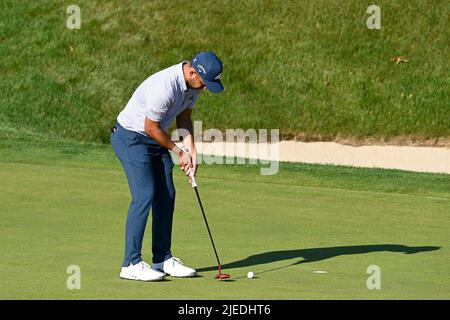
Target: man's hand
[184, 124]
[194, 163]
[185, 160]
[192, 168]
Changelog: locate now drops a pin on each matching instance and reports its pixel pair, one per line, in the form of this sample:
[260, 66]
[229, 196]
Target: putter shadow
[318, 254]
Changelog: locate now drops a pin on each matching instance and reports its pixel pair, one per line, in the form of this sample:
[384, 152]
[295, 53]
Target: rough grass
[278, 57]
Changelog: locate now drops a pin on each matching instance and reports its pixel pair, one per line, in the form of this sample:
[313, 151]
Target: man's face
[196, 81]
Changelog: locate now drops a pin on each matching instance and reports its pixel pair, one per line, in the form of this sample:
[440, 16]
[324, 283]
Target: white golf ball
[250, 275]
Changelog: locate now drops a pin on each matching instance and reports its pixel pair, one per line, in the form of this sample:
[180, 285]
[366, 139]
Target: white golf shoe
[175, 268]
[141, 271]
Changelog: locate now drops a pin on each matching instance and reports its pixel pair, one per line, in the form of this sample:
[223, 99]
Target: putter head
[221, 275]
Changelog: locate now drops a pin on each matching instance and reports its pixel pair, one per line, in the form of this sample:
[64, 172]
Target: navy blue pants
[148, 167]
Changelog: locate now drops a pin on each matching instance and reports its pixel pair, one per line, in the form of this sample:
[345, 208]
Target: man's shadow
[317, 254]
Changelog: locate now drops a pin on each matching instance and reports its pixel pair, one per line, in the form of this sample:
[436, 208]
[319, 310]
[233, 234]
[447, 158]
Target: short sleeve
[157, 105]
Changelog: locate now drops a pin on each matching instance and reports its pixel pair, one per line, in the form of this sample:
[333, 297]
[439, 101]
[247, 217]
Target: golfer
[141, 142]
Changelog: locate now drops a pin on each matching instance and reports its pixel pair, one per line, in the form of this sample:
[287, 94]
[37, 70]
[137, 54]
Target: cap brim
[214, 86]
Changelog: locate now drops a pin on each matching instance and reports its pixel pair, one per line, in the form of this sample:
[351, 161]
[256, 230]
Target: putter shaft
[207, 226]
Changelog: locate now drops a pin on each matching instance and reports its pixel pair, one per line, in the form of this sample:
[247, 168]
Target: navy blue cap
[209, 67]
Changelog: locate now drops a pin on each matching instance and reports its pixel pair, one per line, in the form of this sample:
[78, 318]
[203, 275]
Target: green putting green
[65, 204]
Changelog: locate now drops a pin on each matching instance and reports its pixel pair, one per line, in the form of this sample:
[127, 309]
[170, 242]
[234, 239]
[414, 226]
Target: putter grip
[191, 173]
[193, 183]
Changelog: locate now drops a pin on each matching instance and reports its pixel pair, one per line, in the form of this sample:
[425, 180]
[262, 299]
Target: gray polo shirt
[161, 97]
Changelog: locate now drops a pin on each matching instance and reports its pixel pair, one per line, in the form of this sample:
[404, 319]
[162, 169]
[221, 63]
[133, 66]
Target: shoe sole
[136, 279]
[187, 276]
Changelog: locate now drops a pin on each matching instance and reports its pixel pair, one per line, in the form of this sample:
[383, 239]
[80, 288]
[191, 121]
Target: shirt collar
[181, 79]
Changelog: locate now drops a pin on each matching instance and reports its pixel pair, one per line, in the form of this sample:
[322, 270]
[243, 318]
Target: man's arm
[153, 129]
[184, 122]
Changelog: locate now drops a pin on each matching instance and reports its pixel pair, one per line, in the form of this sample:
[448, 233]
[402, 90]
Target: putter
[220, 275]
